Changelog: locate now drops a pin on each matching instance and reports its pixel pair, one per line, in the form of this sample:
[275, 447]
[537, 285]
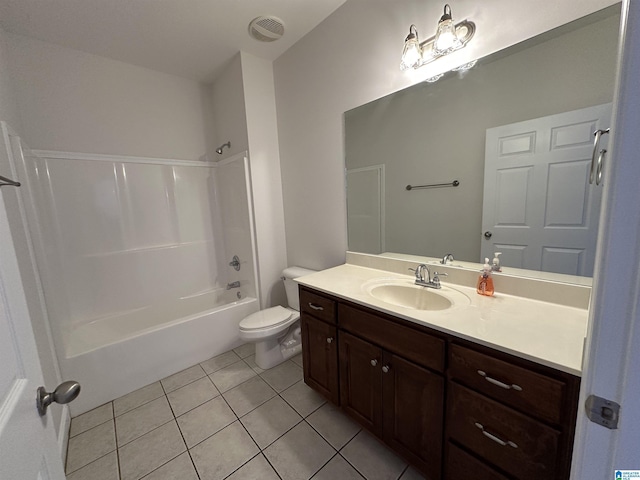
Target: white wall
[352, 58]
[259, 93]
[229, 115]
[73, 101]
[8, 106]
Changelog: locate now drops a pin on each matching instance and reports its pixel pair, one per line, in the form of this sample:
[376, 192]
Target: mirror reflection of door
[365, 209]
[539, 207]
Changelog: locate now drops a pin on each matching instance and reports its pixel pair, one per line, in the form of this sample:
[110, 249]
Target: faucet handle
[436, 277]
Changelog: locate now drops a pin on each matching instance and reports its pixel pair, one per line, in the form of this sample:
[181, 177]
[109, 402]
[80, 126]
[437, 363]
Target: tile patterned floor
[226, 418]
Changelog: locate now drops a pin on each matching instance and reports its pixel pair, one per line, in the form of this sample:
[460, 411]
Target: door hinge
[602, 411]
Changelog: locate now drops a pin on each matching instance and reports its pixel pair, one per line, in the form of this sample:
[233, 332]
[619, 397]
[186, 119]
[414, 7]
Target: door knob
[64, 393]
[374, 362]
[386, 369]
[329, 339]
[488, 234]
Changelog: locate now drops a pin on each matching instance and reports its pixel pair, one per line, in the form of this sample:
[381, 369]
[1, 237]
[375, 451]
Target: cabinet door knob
[329, 339]
[386, 369]
[374, 362]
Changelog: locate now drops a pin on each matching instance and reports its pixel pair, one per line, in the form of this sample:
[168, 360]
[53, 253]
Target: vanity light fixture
[448, 38]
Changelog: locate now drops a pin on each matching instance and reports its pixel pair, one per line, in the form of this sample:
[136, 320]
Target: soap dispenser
[495, 265]
[485, 282]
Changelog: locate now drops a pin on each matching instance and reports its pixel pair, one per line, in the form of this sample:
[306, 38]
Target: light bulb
[412, 53]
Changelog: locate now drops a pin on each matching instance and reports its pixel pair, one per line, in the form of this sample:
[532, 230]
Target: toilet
[276, 330]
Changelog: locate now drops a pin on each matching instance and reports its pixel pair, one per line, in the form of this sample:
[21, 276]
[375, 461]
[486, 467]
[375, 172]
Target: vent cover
[266, 28]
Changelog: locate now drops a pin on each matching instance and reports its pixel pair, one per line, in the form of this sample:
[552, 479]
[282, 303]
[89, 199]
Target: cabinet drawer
[519, 387]
[320, 307]
[460, 464]
[513, 442]
[412, 344]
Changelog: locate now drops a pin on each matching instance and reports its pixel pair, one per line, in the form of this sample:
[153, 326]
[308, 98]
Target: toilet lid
[269, 317]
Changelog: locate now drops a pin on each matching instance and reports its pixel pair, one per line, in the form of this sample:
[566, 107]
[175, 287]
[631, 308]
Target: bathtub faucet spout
[233, 285]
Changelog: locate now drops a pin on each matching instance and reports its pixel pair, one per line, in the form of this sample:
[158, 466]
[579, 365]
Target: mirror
[433, 133]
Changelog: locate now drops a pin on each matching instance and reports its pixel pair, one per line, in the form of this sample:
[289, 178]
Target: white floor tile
[141, 420]
[150, 451]
[270, 421]
[205, 420]
[190, 396]
[249, 395]
[299, 454]
[90, 446]
[222, 454]
[372, 459]
[180, 379]
[91, 419]
[139, 397]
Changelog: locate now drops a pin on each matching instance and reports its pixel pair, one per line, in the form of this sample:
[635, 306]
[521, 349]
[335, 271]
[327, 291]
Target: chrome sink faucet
[447, 258]
[427, 281]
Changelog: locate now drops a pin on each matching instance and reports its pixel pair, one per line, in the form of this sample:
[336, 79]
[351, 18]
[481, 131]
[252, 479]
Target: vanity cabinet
[391, 383]
[518, 418]
[319, 344]
[452, 408]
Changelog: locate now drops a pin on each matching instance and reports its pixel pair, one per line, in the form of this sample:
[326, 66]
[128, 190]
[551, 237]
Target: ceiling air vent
[266, 28]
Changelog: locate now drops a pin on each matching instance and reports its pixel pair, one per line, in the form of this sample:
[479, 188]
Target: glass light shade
[411, 55]
[446, 39]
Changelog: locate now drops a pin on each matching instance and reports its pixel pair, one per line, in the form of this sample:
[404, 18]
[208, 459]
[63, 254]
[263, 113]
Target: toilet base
[274, 351]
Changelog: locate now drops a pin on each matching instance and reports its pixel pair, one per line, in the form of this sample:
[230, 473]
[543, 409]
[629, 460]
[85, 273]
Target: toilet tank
[291, 287]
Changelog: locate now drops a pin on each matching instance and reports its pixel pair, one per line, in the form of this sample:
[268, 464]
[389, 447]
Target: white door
[28, 446]
[539, 209]
[365, 209]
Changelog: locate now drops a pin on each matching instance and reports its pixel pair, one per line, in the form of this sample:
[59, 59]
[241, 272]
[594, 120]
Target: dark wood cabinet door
[361, 381]
[320, 357]
[413, 399]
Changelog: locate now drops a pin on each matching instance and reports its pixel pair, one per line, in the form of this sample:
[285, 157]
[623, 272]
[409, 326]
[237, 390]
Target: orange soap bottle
[485, 282]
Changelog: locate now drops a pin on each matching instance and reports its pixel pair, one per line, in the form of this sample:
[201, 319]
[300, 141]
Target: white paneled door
[539, 208]
[28, 447]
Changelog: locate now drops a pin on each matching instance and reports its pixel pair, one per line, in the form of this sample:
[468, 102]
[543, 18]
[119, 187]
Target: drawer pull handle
[329, 339]
[500, 384]
[494, 438]
[374, 362]
[316, 307]
[386, 369]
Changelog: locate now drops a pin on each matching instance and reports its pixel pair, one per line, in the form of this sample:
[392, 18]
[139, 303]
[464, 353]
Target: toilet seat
[267, 319]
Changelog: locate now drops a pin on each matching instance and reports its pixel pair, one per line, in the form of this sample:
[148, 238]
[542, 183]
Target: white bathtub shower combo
[147, 265]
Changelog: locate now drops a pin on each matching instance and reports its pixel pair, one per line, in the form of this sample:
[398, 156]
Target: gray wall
[435, 132]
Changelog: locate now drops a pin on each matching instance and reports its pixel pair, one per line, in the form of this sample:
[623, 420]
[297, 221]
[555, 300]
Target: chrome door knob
[374, 362]
[386, 369]
[329, 339]
[64, 393]
[488, 234]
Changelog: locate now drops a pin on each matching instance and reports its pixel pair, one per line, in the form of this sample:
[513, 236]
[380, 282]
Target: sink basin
[418, 298]
[405, 293]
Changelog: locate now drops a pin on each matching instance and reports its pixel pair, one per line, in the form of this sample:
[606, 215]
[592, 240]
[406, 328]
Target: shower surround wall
[134, 255]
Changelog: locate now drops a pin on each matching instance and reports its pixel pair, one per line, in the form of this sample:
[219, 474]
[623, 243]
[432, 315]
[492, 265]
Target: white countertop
[546, 333]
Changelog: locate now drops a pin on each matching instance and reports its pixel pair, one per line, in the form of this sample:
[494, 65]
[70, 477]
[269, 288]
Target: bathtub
[119, 353]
